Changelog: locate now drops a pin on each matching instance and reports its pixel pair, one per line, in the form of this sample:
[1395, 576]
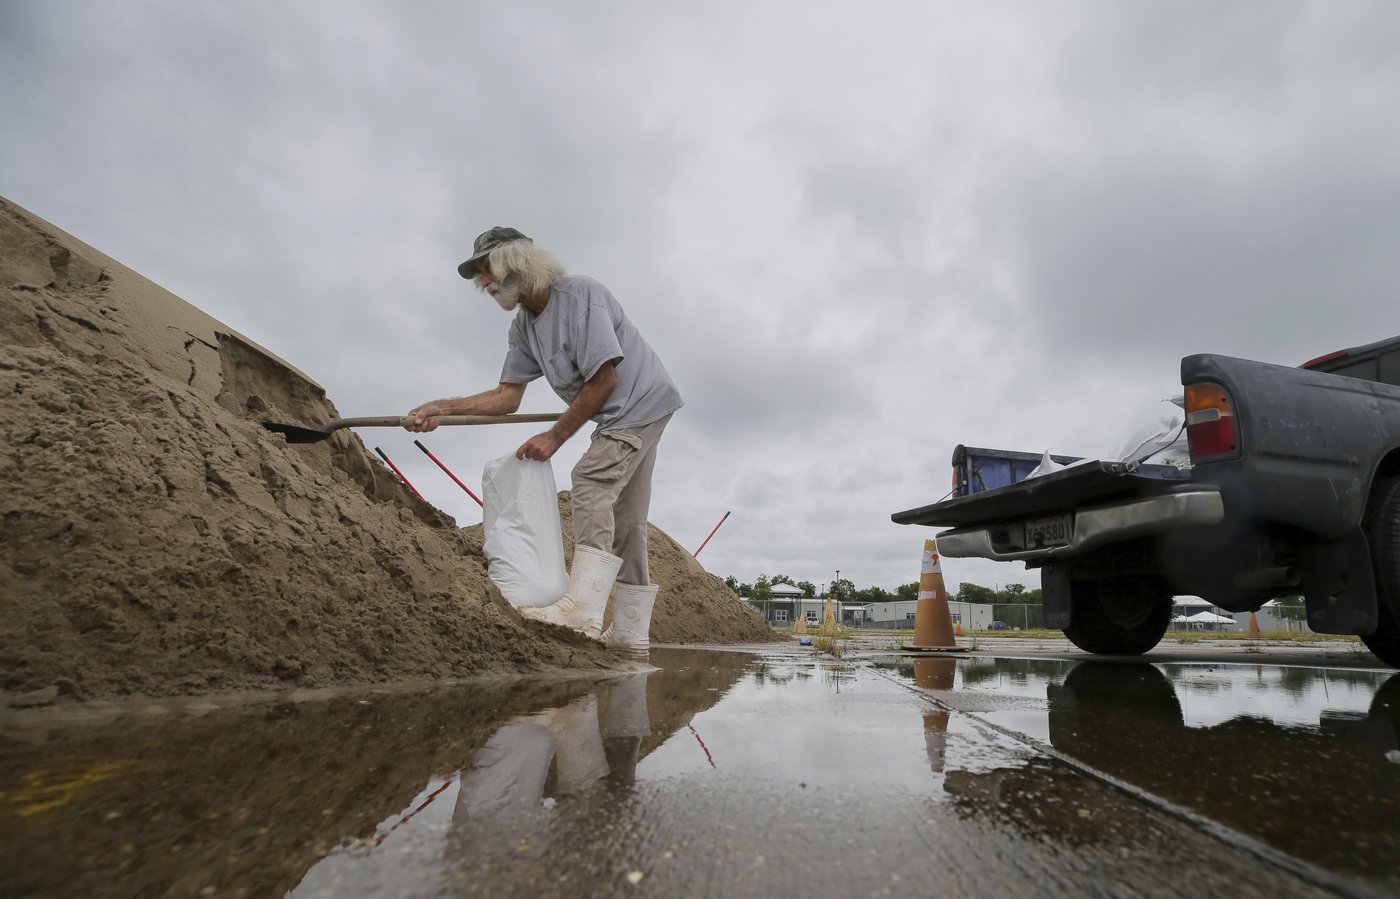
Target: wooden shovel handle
[394, 421]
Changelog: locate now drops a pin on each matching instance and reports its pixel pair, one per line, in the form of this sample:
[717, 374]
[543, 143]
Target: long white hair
[531, 267]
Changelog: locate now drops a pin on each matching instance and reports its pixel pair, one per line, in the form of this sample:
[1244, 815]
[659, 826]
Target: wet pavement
[731, 774]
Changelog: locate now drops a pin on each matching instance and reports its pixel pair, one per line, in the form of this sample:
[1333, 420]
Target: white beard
[507, 295]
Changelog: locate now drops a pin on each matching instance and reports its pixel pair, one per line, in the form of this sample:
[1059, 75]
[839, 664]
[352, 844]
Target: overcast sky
[857, 234]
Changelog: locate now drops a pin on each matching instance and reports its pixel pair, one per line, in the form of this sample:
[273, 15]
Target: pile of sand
[158, 540]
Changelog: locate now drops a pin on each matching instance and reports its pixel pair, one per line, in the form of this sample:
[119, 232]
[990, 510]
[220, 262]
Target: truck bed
[1077, 485]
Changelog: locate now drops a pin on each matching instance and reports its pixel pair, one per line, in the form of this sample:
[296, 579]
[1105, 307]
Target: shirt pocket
[610, 456]
[562, 372]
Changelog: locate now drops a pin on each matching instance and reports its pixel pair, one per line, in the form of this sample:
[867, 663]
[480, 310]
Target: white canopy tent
[1210, 620]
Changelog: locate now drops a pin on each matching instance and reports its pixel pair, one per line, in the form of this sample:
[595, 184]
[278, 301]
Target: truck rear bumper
[1093, 527]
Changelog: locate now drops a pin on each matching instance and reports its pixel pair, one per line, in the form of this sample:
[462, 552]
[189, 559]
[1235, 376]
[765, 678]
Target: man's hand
[425, 417]
[588, 401]
[502, 399]
[539, 447]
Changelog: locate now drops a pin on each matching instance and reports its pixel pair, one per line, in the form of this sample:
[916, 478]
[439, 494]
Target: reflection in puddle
[720, 774]
[1308, 769]
[247, 799]
[1305, 759]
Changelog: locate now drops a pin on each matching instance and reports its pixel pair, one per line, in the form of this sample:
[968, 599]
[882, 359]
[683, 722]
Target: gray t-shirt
[582, 327]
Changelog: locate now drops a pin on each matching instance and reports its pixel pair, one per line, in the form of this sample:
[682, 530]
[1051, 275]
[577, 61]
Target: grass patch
[1031, 633]
[1272, 637]
[829, 639]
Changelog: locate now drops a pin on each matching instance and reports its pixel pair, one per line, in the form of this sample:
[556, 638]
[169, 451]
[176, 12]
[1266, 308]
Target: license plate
[1057, 530]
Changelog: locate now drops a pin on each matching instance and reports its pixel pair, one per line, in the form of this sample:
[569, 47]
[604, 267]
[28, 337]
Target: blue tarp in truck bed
[977, 468]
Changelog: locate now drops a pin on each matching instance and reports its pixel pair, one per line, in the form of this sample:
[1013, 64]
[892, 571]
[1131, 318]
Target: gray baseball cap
[485, 243]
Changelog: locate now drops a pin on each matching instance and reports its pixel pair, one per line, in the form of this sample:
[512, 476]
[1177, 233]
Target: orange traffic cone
[829, 620]
[957, 628]
[800, 626]
[1253, 633]
[933, 623]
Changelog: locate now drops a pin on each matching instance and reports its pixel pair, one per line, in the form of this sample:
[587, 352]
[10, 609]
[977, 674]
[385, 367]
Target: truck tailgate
[1078, 485]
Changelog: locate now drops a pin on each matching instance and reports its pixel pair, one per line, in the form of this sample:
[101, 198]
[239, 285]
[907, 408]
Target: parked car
[998, 626]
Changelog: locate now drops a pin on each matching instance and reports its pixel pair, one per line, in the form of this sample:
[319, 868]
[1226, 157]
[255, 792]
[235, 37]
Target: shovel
[298, 434]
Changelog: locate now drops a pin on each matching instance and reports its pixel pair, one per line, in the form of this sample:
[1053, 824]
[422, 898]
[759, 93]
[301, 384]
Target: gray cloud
[857, 237]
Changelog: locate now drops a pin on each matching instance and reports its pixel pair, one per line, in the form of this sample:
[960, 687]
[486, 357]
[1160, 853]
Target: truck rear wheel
[1118, 616]
[1382, 526]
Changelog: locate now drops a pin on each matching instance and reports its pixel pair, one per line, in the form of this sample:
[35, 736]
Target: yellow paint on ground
[45, 791]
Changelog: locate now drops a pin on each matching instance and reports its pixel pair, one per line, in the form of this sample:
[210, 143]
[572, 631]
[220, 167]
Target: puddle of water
[1305, 759]
[719, 774]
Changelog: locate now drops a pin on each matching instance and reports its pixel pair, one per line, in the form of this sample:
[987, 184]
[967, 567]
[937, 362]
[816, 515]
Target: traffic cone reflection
[935, 674]
[933, 622]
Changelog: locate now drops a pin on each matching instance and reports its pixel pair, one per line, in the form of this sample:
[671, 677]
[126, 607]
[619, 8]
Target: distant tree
[1013, 593]
[1291, 608]
[809, 589]
[970, 592]
[842, 589]
[733, 584]
[762, 589]
[905, 592]
[781, 579]
[872, 594]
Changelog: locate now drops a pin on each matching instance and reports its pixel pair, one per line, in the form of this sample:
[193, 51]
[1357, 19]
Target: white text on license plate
[1053, 531]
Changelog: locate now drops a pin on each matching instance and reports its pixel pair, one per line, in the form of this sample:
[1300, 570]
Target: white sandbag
[1046, 466]
[524, 540]
[1161, 441]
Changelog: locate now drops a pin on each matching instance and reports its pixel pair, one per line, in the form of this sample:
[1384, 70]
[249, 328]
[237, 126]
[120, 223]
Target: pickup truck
[1293, 487]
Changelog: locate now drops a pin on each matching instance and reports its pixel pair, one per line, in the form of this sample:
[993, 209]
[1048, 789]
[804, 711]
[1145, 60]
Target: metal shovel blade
[301, 434]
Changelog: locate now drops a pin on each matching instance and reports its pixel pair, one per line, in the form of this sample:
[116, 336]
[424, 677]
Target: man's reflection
[511, 771]
[628, 723]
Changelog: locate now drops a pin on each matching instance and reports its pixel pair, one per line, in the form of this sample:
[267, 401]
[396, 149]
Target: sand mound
[158, 540]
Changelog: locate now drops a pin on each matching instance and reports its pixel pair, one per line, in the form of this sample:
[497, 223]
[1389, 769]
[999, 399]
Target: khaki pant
[612, 496]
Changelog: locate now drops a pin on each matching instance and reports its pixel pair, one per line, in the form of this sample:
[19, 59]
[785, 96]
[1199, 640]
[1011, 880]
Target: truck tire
[1382, 527]
[1384, 714]
[1118, 616]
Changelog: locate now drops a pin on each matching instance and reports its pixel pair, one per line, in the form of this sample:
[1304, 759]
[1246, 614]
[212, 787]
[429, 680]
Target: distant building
[1269, 619]
[900, 614]
[1194, 613]
[788, 604]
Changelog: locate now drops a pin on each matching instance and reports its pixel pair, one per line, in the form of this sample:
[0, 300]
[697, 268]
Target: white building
[1269, 619]
[900, 614]
[788, 604]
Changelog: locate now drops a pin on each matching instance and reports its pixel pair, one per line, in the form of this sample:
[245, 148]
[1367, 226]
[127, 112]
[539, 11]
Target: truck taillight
[1211, 427]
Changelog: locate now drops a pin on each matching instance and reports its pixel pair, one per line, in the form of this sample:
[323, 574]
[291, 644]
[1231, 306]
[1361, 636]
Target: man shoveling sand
[570, 330]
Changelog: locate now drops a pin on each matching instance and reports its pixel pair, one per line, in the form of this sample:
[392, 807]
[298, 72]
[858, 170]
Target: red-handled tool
[399, 473]
[712, 533]
[449, 474]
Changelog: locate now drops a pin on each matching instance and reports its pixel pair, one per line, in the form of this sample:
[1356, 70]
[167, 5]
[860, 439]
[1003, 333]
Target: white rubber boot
[631, 625]
[590, 581]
